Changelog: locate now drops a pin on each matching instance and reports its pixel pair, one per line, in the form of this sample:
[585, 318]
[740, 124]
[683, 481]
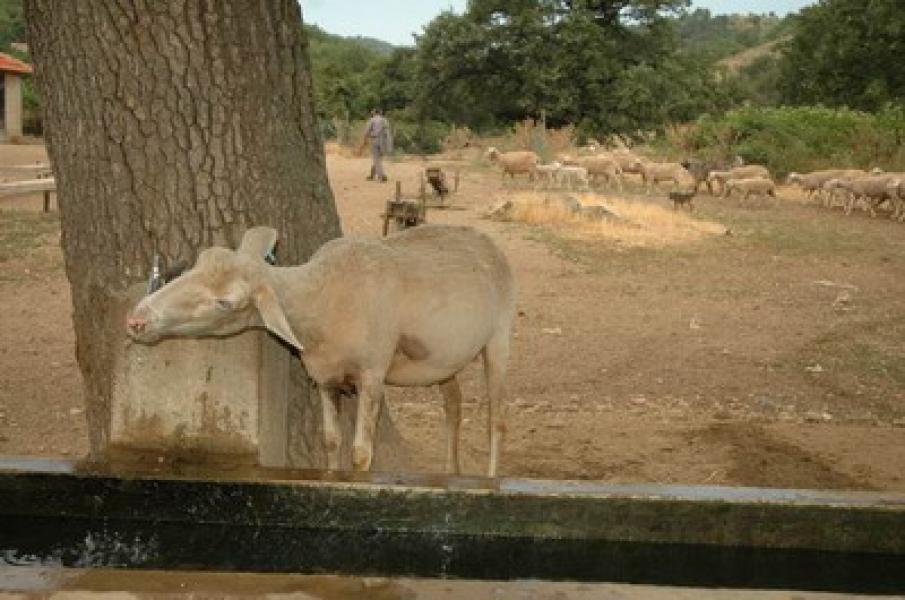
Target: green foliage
[417, 137]
[608, 66]
[846, 53]
[12, 23]
[802, 138]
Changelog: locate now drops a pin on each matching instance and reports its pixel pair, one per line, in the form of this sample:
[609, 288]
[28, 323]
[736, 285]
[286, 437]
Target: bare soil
[773, 356]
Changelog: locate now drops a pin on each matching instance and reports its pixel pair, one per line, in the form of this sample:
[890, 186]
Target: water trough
[67, 514]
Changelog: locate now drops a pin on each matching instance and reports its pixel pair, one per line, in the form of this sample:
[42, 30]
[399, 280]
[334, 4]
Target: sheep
[873, 189]
[761, 186]
[574, 176]
[515, 163]
[605, 165]
[627, 160]
[744, 172]
[813, 183]
[654, 173]
[412, 309]
[896, 191]
[549, 173]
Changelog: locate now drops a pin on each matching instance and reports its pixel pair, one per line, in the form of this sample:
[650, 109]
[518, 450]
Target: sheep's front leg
[332, 433]
[370, 395]
[452, 394]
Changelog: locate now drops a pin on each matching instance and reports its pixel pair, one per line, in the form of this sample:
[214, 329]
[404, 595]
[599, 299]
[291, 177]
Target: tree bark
[173, 126]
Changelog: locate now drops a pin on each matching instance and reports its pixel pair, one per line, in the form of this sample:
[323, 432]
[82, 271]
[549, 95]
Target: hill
[716, 38]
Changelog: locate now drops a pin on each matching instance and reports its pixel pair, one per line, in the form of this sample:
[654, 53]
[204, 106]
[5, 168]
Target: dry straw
[635, 223]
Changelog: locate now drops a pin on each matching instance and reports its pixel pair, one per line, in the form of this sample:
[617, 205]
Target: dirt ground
[773, 356]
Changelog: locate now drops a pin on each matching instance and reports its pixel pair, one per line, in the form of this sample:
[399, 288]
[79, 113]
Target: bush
[799, 138]
[414, 137]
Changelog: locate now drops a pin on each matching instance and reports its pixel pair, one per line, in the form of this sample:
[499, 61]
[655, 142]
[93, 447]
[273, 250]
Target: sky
[394, 21]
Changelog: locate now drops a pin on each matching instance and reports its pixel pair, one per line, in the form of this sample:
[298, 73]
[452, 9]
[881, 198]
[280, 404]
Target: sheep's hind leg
[332, 433]
[496, 354]
[452, 394]
[370, 395]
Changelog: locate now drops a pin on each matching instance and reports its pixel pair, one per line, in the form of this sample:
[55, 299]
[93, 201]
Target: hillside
[716, 38]
[749, 56]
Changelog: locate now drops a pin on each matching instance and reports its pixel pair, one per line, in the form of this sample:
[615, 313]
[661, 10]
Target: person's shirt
[377, 127]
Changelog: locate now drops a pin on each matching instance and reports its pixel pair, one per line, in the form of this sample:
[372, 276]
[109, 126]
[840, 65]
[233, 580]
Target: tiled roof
[9, 64]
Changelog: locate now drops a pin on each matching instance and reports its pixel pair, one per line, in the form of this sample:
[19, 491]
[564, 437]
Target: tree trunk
[173, 126]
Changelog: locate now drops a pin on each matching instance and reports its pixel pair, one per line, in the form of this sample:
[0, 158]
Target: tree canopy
[846, 53]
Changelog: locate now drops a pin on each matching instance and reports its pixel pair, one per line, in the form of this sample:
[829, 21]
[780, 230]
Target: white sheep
[549, 174]
[744, 172]
[653, 173]
[813, 183]
[574, 177]
[760, 186]
[522, 162]
[412, 309]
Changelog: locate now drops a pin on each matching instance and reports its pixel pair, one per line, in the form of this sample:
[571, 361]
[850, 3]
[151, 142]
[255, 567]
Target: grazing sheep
[574, 176]
[412, 309]
[549, 174]
[760, 186]
[515, 163]
[653, 173]
[745, 172]
[603, 165]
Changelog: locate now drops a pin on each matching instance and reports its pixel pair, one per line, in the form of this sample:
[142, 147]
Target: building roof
[9, 64]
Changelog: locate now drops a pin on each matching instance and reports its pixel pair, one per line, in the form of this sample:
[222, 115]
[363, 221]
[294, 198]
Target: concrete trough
[95, 516]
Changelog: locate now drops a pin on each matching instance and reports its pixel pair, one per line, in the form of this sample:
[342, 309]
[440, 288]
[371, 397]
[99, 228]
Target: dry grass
[639, 223]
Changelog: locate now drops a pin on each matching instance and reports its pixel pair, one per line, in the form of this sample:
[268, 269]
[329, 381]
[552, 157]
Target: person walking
[377, 132]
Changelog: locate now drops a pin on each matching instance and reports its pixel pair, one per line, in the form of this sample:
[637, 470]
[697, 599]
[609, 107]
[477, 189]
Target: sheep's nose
[136, 323]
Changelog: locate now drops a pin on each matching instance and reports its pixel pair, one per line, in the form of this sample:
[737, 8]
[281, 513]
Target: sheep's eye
[224, 304]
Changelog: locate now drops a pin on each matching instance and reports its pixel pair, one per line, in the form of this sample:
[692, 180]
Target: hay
[630, 223]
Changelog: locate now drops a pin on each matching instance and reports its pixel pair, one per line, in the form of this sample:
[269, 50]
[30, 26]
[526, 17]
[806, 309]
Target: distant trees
[846, 53]
[608, 66]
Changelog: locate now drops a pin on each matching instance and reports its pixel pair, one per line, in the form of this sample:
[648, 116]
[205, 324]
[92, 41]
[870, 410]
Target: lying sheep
[515, 163]
[744, 172]
[603, 165]
[653, 173]
[412, 309]
[760, 186]
[574, 177]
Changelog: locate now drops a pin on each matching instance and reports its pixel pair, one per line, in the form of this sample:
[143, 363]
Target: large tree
[846, 53]
[172, 126]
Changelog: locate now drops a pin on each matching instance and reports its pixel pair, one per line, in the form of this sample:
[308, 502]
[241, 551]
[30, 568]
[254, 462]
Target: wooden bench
[30, 186]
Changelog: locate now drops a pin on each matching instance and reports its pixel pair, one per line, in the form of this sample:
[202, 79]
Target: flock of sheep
[850, 187]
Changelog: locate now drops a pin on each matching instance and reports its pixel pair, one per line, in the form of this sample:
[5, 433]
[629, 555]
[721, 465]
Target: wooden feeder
[403, 213]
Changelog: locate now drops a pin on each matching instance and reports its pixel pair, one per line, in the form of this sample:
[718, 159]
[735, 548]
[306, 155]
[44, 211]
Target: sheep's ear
[274, 318]
[258, 242]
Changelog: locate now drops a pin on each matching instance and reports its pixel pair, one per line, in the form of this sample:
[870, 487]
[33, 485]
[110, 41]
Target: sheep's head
[492, 153]
[793, 178]
[225, 292]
